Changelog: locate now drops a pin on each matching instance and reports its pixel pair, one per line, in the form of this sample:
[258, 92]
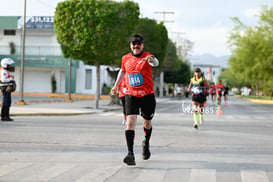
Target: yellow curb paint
[20, 103]
[260, 101]
[69, 100]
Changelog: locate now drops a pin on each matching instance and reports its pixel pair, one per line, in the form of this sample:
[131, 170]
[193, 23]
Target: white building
[43, 60]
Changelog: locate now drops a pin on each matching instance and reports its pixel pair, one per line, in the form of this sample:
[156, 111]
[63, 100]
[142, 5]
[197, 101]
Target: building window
[9, 32]
[88, 79]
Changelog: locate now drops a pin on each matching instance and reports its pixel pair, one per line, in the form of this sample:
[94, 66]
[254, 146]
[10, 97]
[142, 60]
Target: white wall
[36, 79]
[44, 42]
[80, 80]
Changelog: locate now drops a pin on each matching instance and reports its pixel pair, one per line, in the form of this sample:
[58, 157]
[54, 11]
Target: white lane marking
[99, 174]
[254, 176]
[11, 167]
[49, 173]
[208, 175]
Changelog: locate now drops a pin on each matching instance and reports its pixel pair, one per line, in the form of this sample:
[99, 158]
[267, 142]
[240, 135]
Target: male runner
[136, 68]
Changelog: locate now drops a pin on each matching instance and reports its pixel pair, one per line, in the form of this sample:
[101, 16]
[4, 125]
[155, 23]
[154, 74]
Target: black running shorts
[123, 104]
[146, 105]
[200, 98]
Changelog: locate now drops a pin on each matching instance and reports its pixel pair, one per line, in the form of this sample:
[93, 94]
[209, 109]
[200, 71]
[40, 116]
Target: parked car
[244, 91]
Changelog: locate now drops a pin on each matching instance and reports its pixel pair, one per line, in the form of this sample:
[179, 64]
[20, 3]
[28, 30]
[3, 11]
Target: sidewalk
[80, 105]
[46, 104]
[62, 108]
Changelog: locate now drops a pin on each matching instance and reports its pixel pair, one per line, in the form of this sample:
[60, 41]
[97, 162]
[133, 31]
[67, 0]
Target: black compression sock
[130, 136]
[148, 133]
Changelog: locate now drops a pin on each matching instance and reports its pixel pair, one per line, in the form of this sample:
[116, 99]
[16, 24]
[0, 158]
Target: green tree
[181, 75]
[231, 79]
[155, 35]
[252, 54]
[176, 70]
[94, 31]
[171, 61]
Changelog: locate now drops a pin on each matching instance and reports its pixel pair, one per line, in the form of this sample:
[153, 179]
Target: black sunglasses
[136, 43]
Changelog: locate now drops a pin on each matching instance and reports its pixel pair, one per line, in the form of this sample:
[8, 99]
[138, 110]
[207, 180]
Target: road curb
[65, 113]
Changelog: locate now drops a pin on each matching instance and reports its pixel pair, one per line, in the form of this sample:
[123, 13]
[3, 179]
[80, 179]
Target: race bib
[135, 79]
[196, 89]
[124, 90]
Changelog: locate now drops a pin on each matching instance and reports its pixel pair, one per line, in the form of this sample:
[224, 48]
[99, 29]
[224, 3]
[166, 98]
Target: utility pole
[164, 20]
[178, 36]
[183, 45]
[21, 101]
[69, 86]
[164, 13]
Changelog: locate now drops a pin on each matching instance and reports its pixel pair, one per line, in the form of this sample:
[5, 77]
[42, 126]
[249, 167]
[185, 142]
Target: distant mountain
[210, 59]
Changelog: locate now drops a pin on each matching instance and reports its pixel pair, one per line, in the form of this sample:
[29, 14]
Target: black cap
[136, 38]
[197, 70]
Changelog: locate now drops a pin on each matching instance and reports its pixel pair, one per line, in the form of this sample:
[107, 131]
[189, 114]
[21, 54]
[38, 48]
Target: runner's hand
[149, 59]
[114, 90]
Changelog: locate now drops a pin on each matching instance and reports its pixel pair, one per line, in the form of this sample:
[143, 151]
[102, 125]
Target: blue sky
[204, 22]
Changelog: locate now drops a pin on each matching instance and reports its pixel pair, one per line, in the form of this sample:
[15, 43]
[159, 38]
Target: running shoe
[130, 159]
[195, 126]
[145, 151]
[6, 119]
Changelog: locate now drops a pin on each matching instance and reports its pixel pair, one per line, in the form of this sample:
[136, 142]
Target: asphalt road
[235, 146]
